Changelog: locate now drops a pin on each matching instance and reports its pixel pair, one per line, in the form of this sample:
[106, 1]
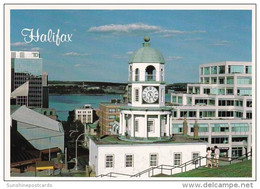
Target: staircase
[170, 170]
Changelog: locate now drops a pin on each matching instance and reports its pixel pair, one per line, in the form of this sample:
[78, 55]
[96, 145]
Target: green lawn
[243, 169]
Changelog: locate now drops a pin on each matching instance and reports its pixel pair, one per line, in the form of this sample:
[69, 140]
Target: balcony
[150, 77]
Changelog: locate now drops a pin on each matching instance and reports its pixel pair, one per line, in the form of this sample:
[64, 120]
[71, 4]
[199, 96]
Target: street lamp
[76, 151]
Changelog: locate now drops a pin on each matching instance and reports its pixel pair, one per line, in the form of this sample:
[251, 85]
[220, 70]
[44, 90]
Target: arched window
[44, 113]
[50, 112]
[136, 74]
[150, 73]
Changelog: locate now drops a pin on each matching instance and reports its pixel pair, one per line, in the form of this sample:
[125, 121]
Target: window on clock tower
[136, 95]
[150, 73]
[162, 79]
[136, 74]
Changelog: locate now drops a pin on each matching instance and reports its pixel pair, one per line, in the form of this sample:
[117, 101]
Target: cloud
[130, 52]
[139, 28]
[20, 44]
[193, 39]
[120, 56]
[124, 28]
[169, 58]
[221, 43]
[75, 54]
[35, 48]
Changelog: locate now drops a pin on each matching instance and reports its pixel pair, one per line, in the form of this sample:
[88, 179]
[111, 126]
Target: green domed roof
[146, 54]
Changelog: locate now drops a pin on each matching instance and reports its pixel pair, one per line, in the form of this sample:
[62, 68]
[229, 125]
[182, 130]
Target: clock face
[150, 94]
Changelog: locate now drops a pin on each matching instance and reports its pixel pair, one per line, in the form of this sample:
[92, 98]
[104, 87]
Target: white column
[145, 126]
[230, 140]
[244, 108]
[159, 129]
[168, 126]
[249, 139]
[120, 124]
[123, 124]
[132, 126]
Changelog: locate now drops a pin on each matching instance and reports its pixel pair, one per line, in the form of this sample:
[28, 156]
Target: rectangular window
[213, 80]
[177, 159]
[219, 140]
[220, 127]
[153, 159]
[244, 92]
[244, 80]
[221, 80]
[237, 69]
[206, 80]
[177, 128]
[230, 80]
[129, 161]
[206, 91]
[109, 161]
[221, 69]
[180, 100]
[111, 117]
[195, 155]
[136, 125]
[240, 127]
[214, 70]
[201, 71]
[248, 103]
[137, 95]
[248, 69]
[207, 70]
[230, 91]
[150, 126]
[112, 110]
[174, 99]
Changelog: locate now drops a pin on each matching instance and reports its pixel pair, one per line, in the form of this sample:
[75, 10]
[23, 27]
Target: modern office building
[108, 112]
[84, 114]
[26, 66]
[222, 105]
[45, 90]
[145, 137]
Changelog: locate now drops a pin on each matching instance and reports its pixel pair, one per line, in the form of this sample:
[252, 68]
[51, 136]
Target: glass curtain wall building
[27, 66]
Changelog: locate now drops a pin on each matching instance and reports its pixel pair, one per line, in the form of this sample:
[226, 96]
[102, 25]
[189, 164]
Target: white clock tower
[146, 117]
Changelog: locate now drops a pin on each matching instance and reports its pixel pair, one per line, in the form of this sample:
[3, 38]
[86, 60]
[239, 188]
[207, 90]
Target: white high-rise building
[84, 114]
[222, 105]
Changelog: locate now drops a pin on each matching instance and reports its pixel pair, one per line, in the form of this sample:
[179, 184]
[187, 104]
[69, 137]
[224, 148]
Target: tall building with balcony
[221, 103]
[27, 67]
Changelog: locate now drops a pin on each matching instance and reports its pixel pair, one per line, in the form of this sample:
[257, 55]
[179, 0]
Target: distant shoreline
[83, 94]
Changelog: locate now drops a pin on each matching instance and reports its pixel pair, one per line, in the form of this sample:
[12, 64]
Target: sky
[102, 41]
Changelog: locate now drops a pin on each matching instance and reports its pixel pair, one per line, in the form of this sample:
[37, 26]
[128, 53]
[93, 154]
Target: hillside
[242, 169]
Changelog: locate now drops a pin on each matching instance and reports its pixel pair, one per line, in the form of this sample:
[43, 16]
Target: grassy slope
[243, 169]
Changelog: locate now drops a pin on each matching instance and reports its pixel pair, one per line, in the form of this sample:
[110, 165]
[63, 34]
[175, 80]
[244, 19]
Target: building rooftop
[114, 139]
[165, 108]
[146, 54]
[33, 118]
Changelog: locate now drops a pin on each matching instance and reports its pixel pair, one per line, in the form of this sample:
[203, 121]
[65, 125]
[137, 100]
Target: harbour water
[65, 103]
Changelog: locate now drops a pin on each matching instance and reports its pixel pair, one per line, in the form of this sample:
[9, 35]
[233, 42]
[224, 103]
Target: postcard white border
[7, 71]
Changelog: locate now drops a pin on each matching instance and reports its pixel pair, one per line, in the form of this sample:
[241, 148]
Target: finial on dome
[146, 38]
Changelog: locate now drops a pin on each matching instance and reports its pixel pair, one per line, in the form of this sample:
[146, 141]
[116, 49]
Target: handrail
[171, 167]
